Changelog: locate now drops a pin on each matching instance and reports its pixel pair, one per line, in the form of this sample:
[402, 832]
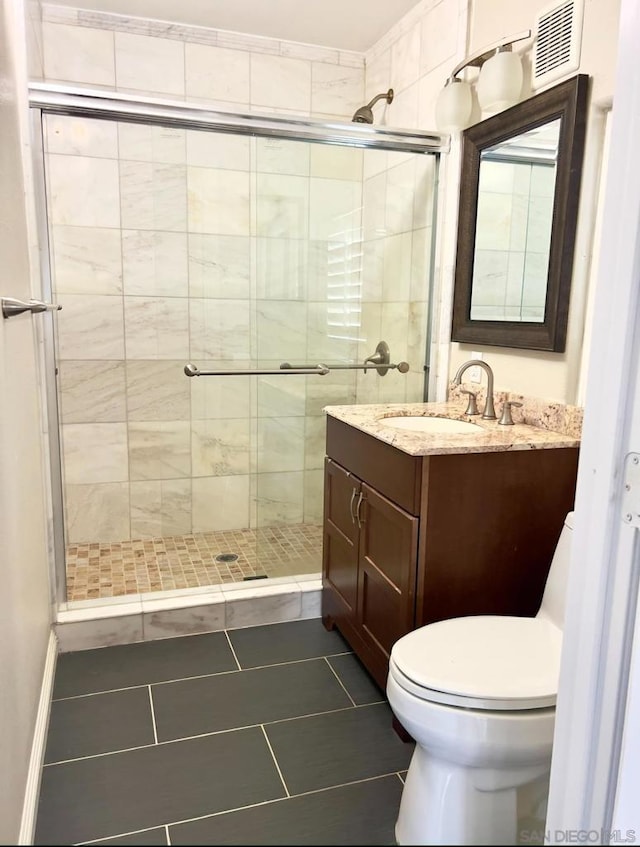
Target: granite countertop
[491, 437]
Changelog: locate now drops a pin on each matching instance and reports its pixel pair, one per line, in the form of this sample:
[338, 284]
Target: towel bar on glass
[193, 370]
[380, 360]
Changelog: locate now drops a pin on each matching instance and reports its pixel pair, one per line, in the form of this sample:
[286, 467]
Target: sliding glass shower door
[232, 255]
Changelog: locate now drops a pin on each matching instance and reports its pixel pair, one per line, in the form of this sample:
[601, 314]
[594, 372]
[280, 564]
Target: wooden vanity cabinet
[369, 565]
[409, 540]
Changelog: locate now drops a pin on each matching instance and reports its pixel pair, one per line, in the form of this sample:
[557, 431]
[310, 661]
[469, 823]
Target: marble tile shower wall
[33, 32]
[232, 70]
[397, 229]
[169, 248]
[171, 245]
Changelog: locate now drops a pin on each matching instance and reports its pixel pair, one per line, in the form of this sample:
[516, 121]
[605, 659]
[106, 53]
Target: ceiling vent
[557, 43]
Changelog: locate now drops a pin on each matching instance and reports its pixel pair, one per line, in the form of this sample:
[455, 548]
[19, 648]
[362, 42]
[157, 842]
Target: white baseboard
[36, 760]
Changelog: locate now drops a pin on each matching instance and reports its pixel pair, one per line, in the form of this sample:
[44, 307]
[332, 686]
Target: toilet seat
[481, 662]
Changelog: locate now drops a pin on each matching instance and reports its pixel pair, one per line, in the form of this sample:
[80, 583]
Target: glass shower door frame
[45, 99]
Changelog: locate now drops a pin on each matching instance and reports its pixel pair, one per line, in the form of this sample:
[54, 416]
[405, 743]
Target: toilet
[478, 696]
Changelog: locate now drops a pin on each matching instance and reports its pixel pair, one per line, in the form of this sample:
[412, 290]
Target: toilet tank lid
[569, 520]
[483, 656]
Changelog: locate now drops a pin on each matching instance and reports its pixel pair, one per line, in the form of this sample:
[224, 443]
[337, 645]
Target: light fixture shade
[500, 82]
[453, 106]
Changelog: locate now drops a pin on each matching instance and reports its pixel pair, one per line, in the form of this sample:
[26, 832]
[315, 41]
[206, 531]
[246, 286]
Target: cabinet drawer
[395, 474]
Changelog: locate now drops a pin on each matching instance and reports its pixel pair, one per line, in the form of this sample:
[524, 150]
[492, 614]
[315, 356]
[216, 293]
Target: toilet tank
[555, 590]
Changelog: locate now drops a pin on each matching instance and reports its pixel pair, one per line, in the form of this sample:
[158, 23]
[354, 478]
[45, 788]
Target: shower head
[364, 115]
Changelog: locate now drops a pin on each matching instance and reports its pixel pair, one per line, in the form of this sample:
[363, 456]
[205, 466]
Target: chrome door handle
[11, 306]
[351, 512]
[359, 504]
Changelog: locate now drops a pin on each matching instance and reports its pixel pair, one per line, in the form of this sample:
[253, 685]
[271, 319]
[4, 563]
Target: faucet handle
[506, 419]
[472, 406]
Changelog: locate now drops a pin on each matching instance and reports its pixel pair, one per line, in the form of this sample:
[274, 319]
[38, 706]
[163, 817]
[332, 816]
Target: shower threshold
[100, 570]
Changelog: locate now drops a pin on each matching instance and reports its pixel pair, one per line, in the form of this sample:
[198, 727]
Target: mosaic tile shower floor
[113, 569]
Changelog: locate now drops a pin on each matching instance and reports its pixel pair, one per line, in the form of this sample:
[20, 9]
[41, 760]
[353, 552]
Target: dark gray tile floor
[264, 735]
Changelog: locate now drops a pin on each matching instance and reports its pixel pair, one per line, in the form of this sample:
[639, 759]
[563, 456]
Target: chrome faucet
[489, 413]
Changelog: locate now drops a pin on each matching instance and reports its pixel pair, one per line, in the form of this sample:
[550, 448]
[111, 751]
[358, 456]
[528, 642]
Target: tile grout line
[211, 733]
[166, 830]
[275, 761]
[226, 632]
[197, 676]
[249, 806]
[339, 680]
[153, 716]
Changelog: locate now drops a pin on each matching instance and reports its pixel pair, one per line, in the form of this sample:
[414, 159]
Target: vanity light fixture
[499, 84]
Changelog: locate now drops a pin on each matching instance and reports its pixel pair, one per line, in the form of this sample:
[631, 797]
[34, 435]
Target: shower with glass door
[222, 279]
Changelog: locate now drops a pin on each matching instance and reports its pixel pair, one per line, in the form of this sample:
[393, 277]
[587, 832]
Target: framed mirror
[519, 190]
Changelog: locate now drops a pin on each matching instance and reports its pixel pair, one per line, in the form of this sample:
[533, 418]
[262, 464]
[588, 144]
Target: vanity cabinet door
[387, 572]
[369, 568]
[340, 543]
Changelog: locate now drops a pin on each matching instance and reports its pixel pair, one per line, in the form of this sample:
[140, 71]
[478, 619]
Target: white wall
[492, 19]
[555, 375]
[415, 58]
[25, 617]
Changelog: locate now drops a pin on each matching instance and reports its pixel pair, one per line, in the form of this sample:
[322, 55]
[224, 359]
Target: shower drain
[233, 557]
[227, 557]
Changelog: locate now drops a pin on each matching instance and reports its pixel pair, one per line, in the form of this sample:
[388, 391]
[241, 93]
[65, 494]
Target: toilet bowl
[478, 696]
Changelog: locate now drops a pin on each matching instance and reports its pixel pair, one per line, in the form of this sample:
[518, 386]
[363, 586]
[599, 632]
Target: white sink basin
[422, 423]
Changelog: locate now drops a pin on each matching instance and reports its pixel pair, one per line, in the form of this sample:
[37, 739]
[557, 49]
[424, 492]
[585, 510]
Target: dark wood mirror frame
[567, 101]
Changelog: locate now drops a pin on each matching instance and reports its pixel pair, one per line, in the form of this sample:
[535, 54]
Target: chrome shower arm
[386, 95]
[364, 115]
